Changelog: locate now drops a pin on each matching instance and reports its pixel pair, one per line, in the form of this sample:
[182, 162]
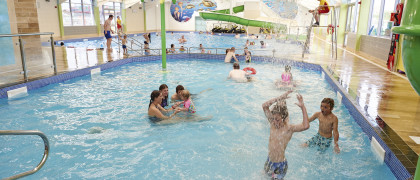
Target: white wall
[134, 18]
[48, 17]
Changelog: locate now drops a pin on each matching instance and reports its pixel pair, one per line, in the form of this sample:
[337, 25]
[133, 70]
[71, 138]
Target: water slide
[224, 15]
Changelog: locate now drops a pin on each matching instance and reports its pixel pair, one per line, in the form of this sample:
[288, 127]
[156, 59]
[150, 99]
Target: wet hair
[179, 88]
[233, 48]
[287, 68]
[328, 101]
[236, 65]
[172, 45]
[153, 96]
[162, 87]
[62, 43]
[111, 16]
[185, 94]
[280, 108]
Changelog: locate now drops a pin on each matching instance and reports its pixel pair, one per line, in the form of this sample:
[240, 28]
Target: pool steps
[18, 91]
[377, 149]
[95, 71]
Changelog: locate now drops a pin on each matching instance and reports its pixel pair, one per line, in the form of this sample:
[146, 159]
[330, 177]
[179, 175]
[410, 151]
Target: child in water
[188, 104]
[286, 78]
[247, 54]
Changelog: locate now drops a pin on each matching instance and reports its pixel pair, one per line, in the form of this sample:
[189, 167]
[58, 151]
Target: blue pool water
[208, 41]
[231, 145]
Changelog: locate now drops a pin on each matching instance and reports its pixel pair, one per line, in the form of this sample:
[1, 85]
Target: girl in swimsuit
[188, 104]
[286, 78]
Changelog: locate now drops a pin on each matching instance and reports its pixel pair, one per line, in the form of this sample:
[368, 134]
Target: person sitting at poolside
[172, 50]
[182, 49]
[146, 48]
[328, 125]
[238, 74]
[182, 40]
[155, 101]
[280, 133]
[188, 104]
[177, 95]
[229, 55]
[321, 9]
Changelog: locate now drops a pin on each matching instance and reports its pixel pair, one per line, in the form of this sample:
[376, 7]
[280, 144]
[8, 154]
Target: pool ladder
[46, 151]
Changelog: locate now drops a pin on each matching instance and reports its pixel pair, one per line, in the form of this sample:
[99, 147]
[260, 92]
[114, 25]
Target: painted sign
[285, 9]
[183, 10]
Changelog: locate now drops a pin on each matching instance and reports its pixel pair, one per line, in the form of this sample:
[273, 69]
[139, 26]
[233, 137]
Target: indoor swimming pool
[222, 41]
[98, 126]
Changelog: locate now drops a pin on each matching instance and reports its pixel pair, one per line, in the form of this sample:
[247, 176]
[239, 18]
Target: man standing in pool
[107, 31]
[328, 124]
[280, 133]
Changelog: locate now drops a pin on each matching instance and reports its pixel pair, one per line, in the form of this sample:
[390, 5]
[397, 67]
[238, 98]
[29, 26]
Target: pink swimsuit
[285, 78]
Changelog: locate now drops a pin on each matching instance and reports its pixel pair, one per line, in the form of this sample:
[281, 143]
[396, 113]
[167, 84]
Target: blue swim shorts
[107, 34]
[323, 143]
[124, 46]
[275, 170]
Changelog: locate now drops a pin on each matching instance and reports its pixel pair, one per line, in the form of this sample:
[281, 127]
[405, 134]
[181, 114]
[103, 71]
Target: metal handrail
[27, 34]
[22, 50]
[46, 151]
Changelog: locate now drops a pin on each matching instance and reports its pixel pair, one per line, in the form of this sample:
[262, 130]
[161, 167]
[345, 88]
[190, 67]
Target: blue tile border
[391, 160]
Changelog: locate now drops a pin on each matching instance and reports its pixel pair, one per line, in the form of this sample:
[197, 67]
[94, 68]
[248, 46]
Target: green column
[417, 175]
[60, 18]
[97, 17]
[123, 14]
[362, 24]
[163, 32]
[410, 27]
[341, 33]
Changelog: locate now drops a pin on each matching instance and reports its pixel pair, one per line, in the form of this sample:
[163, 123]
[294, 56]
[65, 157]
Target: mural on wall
[6, 44]
[286, 9]
[183, 10]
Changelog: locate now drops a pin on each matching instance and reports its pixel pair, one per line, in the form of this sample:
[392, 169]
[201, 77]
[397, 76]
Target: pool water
[230, 145]
[208, 41]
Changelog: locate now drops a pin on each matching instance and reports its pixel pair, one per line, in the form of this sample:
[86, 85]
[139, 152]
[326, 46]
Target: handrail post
[22, 57]
[53, 55]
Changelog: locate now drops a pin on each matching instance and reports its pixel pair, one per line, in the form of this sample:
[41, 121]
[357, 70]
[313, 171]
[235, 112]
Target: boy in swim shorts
[280, 133]
[328, 124]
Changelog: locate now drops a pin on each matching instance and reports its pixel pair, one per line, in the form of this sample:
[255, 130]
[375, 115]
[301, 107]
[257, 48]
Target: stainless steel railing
[22, 50]
[46, 151]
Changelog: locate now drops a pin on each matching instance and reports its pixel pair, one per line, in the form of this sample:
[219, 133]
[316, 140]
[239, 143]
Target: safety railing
[35, 50]
[46, 149]
[217, 51]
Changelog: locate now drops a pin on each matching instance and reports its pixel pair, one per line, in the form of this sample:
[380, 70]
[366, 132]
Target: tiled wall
[375, 46]
[76, 30]
[351, 41]
[26, 16]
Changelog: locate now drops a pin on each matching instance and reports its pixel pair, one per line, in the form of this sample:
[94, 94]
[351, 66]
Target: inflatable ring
[250, 69]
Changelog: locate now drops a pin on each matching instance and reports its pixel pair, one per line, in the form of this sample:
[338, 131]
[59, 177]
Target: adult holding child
[155, 106]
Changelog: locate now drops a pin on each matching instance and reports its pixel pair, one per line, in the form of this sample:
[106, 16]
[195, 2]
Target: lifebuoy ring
[250, 69]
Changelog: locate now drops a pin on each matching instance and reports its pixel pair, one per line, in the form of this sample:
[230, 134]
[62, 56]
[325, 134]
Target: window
[379, 24]
[77, 13]
[386, 20]
[352, 16]
[374, 22]
[110, 8]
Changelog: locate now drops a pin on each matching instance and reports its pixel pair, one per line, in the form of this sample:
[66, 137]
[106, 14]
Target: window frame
[83, 11]
[381, 16]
